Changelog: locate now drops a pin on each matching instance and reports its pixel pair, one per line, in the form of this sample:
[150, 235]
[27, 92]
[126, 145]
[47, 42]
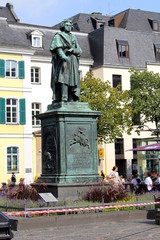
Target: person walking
[114, 175]
[13, 179]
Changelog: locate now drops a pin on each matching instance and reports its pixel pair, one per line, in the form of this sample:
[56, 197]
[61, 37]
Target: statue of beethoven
[65, 78]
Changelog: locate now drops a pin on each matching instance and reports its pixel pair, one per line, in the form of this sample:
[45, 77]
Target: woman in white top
[114, 175]
[148, 182]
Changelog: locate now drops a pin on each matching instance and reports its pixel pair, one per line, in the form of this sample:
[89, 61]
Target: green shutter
[2, 111]
[2, 68]
[21, 69]
[22, 112]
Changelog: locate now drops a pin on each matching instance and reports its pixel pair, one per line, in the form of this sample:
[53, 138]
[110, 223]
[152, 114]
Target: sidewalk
[97, 226]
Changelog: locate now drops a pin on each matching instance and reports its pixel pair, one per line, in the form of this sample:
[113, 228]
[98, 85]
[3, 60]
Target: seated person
[121, 179]
[148, 182]
[138, 178]
[157, 181]
[134, 183]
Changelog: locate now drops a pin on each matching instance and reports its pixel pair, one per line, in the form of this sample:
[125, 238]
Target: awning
[151, 147]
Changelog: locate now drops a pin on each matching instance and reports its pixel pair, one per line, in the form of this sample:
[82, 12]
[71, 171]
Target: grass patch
[95, 197]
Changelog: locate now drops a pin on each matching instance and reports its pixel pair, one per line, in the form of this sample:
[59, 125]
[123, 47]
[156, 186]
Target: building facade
[25, 73]
[130, 39]
[111, 47]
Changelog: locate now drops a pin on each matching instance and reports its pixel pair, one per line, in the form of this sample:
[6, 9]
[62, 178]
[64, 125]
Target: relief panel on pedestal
[79, 148]
[49, 150]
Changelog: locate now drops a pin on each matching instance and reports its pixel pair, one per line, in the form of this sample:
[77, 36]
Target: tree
[145, 97]
[115, 118]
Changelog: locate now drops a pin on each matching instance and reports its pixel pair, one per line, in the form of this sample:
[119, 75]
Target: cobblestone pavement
[136, 229]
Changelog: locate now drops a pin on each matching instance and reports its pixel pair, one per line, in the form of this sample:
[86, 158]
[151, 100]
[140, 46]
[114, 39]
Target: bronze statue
[65, 79]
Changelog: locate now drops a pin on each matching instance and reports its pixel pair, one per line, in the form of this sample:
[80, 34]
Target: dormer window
[111, 23]
[100, 24]
[36, 38]
[123, 48]
[97, 20]
[36, 41]
[157, 52]
[154, 24]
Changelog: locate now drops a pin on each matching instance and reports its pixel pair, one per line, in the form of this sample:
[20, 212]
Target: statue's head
[65, 23]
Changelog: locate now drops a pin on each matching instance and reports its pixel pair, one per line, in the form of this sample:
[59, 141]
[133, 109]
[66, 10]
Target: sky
[51, 12]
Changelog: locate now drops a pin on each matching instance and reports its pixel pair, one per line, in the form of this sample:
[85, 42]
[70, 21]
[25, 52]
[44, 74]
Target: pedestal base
[64, 192]
[69, 144]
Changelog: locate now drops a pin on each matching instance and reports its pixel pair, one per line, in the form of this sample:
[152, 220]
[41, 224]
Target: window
[11, 68]
[36, 109]
[111, 23]
[12, 159]
[11, 110]
[135, 145]
[123, 48]
[100, 24]
[117, 81]
[154, 24]
[157, 52]
[35, 75]
[119, 148]
[36, 38]
[36, 42]
[136, 119]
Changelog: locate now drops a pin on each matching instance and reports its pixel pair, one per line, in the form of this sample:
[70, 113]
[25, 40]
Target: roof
[129, 19]
[99, 44]
[16, 35]
[137, 20]
[8, 12]
[86, 23]
[141, 47]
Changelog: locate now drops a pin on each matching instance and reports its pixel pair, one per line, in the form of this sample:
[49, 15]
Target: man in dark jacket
[13, 179]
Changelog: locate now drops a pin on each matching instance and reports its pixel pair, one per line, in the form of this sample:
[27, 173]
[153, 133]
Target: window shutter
[2, 68]
[2, 111]
[22, 107]
[21, 69]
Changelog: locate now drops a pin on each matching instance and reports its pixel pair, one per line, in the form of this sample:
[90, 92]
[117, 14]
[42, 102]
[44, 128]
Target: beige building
[118, 43]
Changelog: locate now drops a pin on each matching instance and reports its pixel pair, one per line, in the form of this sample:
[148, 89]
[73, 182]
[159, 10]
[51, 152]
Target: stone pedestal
[63, 192]
[69, 145]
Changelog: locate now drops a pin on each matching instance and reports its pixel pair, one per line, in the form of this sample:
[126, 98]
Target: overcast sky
[51, 12]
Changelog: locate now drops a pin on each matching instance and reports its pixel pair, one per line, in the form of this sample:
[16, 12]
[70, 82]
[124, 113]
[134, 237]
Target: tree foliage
[145, 96]
[113, 104]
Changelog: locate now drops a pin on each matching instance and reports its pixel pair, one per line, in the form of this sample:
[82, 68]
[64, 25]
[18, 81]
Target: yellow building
[15, 135]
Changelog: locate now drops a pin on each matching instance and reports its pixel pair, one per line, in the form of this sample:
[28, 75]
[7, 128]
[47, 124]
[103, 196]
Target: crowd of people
[150, 183]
